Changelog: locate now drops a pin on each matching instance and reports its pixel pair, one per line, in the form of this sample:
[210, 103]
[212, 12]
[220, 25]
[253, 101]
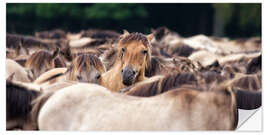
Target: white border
[265, 42]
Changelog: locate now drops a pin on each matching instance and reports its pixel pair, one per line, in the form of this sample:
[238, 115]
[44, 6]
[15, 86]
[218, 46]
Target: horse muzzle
[128, 76]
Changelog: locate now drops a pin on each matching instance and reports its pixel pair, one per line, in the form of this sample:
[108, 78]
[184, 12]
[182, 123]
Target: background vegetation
[231, 20]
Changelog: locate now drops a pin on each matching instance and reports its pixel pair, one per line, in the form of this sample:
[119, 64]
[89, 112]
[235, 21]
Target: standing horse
[134, 55]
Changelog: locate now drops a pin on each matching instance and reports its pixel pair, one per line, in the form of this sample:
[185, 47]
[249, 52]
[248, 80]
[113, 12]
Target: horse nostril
[133, 72]
[122, 70]
[98, 76]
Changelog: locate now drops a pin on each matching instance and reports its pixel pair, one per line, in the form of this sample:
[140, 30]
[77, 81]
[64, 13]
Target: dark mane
[154, 67]
[162, 85]
[19, 100]
[100, 34]
[250, 82]
[254, 65]
[51, 34]
[160, 33]
[135, 37]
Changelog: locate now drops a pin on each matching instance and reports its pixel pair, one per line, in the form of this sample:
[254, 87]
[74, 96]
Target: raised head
[134, 56]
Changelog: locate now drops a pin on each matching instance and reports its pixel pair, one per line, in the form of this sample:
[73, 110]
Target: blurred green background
[232, 20]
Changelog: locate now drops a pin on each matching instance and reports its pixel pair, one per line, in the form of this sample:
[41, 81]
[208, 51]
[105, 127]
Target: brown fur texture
[162, 85]
[42, 61]
[52, 34]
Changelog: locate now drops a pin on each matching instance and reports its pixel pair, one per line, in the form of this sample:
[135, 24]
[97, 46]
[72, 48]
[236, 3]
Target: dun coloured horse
[90, 107]
[134, 55]
[84, 68]
[42, 61]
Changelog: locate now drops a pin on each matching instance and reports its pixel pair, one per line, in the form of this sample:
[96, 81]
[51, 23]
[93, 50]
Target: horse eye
[79, 78]
[123, 49]
[144, 52]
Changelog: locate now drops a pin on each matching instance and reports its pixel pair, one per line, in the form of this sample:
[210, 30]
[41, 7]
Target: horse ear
[55, 53]
[10, 78]
[150, 37]
[125, 32]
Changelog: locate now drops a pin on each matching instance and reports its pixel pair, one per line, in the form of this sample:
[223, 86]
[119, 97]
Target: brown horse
[89, 107]
[42, 61]
[134, 55]
[84, 68]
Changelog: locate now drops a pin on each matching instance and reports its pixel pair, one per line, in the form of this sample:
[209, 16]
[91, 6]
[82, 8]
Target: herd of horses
[104, 80]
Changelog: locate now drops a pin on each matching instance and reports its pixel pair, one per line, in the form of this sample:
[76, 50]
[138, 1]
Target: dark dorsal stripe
[53, 77]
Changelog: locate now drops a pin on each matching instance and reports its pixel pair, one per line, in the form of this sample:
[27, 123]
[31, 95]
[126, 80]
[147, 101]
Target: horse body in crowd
[84, 68]
[101, 80]
[93, 107]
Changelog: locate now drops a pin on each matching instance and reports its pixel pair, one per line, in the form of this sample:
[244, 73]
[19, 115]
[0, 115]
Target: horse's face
[134, 59]
[89, 76]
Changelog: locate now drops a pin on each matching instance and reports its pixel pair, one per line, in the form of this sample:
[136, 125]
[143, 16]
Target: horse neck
[141, 75]
[112, 78]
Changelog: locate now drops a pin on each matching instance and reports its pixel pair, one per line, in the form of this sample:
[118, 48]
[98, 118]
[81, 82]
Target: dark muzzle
[128, 76]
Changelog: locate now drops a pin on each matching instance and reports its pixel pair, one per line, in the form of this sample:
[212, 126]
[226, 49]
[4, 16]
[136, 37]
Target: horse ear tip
[150, 36]
[125, 31]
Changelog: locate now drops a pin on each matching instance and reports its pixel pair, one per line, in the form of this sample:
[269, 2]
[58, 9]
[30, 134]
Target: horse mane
[100, 34]
[135, 37]
[109, 57]
[59, 62]
[160, 32]
[39, 58]
[84, 62]
[154, 67]
[254, 65]
[162, 85]
[248, 82]
[51, 34]
[19, 100]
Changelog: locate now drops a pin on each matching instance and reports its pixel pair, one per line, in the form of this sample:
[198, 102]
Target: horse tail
[248, 99]
[37, 105]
